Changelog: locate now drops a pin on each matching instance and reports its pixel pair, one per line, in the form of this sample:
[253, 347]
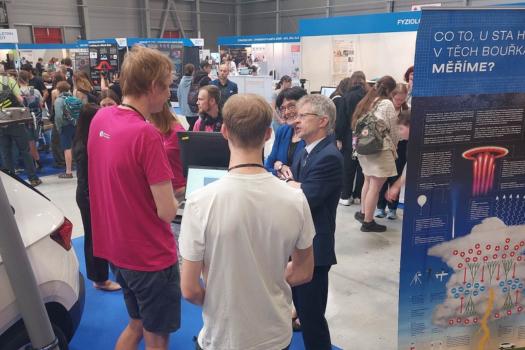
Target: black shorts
[152, 297]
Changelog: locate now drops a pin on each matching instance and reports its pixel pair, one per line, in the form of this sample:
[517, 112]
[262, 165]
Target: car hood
[35, 215]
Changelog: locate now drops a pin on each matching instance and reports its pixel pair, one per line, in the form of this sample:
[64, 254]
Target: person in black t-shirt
[69, 71]
[40, 67]
[36, 82]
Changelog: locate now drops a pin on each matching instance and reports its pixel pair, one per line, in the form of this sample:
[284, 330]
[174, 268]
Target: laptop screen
[327, 90]
[198, 177]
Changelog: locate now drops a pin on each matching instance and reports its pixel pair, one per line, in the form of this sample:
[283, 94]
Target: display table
[15, 115]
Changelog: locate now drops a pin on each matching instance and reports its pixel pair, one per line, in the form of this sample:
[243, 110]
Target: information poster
[462, 273]
[103, 58]
[82, 61]
[342, 59]
[174, 51]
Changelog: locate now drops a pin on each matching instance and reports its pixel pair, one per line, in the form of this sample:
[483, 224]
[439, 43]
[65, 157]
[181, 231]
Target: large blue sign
[462, 277]
[376, 23]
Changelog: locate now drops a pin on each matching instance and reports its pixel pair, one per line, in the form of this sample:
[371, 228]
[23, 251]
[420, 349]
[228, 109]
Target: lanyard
[133, 108]
[247, 165]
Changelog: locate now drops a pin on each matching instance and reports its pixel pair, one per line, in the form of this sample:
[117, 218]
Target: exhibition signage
[8, 36]
[376, 23]
[198, 42]
[463, 247]
[103, 59]
[145, 41]
[122, 42]
[173, 50]
[258, 39]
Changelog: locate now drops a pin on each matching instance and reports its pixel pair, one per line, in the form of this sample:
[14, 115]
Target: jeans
[58, 153]
[351, 171]
[16, 135]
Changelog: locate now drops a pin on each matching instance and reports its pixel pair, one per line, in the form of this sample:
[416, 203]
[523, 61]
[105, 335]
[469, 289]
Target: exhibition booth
[378, 44]
[273, 54]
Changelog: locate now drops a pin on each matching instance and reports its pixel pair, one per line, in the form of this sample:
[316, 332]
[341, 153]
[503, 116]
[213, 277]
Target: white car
[46, 234]
[506, 346]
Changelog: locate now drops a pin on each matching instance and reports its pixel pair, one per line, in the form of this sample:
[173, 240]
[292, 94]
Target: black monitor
[203, 149]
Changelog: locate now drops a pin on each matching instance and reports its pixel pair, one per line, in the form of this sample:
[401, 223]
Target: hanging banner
[462, 273]
[103, 60]
[173, 50]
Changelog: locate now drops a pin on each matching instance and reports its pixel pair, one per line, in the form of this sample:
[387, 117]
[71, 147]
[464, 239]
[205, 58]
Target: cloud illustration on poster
[490, 257]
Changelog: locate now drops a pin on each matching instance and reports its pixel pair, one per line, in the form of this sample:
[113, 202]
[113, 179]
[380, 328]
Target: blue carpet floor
[105, 317]
[46, 158]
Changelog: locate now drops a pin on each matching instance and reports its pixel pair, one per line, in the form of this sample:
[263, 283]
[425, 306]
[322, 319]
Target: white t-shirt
[245, 228]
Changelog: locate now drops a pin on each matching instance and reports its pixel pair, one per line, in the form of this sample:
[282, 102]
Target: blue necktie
[304, 158]
[302, 163]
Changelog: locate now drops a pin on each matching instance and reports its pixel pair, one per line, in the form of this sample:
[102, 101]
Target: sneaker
[357, 200]
[65, 176]
[392, 215]
[372, 226]
[345, 202]
[35, 182]
[380, 213]
[359, 216]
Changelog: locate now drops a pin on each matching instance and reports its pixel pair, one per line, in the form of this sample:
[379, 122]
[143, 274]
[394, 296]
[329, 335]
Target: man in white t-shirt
[239, 232]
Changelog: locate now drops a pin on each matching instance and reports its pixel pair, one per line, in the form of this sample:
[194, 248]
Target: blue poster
[462, 276]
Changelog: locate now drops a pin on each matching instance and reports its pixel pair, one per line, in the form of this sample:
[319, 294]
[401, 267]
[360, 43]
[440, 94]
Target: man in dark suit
[319, 173]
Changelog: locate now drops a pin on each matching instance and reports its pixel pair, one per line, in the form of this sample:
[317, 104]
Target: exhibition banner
[103, 60]
[258, 39]
[463, 245]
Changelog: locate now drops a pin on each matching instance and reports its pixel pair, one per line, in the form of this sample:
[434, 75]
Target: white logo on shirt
[104, 135]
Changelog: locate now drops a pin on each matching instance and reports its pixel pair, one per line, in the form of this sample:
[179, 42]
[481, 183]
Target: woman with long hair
[83, 88]
[353, 175]
[399, 97]
[379, 166]
[169, 125]
[108, 98]
[97, 268]
[342, 88]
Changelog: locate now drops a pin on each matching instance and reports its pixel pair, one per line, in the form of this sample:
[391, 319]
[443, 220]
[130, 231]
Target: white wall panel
[375, 54]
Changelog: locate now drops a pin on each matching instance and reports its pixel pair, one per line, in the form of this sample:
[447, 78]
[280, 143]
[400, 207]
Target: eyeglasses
[291, 108]
[304, 115]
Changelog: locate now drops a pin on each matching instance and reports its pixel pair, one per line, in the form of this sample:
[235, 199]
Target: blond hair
[247, 117]
[81, 81]
[141, 68]
[164, 119]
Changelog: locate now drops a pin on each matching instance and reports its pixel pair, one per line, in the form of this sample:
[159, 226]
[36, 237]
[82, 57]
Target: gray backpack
[369, 134]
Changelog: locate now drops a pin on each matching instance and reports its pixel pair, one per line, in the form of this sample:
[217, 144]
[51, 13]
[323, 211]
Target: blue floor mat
[105, 317]
[46, 158]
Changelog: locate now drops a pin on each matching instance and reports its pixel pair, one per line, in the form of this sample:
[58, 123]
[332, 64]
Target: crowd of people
[250, 243]
[54, 95]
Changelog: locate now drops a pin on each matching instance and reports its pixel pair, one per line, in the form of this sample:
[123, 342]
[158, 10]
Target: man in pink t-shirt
[132, 201]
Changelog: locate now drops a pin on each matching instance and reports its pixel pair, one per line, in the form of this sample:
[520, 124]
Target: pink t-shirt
[126, 156]
[171, 145]
[197, 126]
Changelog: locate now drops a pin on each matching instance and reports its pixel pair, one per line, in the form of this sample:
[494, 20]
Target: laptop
[198, 177]
[327, 90]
